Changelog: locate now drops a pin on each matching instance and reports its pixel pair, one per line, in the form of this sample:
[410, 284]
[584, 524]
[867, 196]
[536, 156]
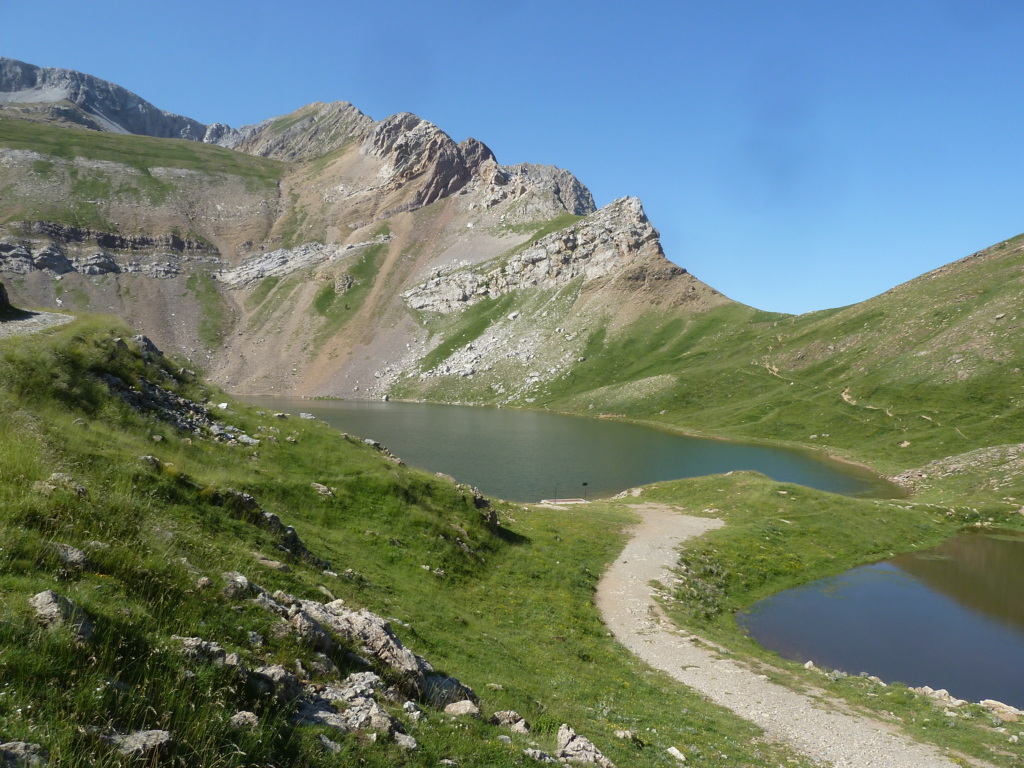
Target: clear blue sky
[794, 155]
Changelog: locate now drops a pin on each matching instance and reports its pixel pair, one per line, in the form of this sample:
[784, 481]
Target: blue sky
[794, 155]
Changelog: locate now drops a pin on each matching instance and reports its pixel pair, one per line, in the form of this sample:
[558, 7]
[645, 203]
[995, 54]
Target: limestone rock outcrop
[60, 250]
[617, 237]
[414, 149]
[22, 754]
[53, 610]
[308, 132]
[574, 748]
[141, 744]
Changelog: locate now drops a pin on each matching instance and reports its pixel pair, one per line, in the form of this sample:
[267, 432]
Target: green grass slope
[506, 608]
[139, 152]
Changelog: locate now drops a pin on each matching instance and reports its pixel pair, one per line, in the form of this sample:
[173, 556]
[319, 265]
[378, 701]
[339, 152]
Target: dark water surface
[950, 617]
[530, 455]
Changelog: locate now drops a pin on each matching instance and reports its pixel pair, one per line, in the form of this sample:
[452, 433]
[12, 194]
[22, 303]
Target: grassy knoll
[929, 369]
[511, 613]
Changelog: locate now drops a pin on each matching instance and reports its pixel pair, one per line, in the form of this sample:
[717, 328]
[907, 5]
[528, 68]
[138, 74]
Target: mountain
[314, 236]
[66, 97]
[328, 254]
[190, 581]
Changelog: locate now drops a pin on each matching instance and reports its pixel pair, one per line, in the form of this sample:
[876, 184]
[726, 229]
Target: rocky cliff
[617, 237]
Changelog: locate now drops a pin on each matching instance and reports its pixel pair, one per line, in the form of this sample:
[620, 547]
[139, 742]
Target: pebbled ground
[30, 322]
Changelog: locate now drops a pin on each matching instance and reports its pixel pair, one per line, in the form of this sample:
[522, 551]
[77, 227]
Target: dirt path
[625, 600]
[30, 322]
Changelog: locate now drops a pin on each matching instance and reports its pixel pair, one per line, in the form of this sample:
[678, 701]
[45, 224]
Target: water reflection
[982, 572]
[951, 617]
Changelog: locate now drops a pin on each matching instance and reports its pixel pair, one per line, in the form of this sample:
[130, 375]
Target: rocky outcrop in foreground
[321, 696]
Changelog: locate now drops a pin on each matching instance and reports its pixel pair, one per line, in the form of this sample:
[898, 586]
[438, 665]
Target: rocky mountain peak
[304, 134]
[66, 96]
[413, 148]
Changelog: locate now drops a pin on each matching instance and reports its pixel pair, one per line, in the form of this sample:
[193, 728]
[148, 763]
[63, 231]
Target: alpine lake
[948, 617]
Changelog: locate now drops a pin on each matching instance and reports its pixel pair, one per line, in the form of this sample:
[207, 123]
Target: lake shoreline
[528, 454]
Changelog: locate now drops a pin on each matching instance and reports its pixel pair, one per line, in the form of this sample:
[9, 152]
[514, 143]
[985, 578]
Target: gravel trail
[31, 322]
[826, 735]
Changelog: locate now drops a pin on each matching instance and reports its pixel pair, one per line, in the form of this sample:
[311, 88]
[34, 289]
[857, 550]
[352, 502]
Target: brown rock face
[417, 150]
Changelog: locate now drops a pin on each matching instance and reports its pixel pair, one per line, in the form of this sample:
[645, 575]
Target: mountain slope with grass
[195, 554]
[329, 254]
[200, 550]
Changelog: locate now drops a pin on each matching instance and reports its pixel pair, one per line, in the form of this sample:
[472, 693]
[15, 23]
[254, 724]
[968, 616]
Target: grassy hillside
[132, 185]
[140, 152]
[929, 369]
[507, 609]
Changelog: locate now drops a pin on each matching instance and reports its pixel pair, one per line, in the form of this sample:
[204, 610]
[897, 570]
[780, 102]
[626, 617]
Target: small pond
[533, 455]
[950, 617]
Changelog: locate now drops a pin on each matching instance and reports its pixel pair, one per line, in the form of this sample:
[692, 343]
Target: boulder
[145, 744]
[70, 557]
[53, 610]
[149, 350]
[267, 562]
[1004, 712]
[5, 302]
[367, 715]
[405, 741]
[462, 709]
[505, 717]
[441, 690]
[577, 749]
[197, 649]
[238, 585]
[278, 681]
[21, 754]
[244, 719]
